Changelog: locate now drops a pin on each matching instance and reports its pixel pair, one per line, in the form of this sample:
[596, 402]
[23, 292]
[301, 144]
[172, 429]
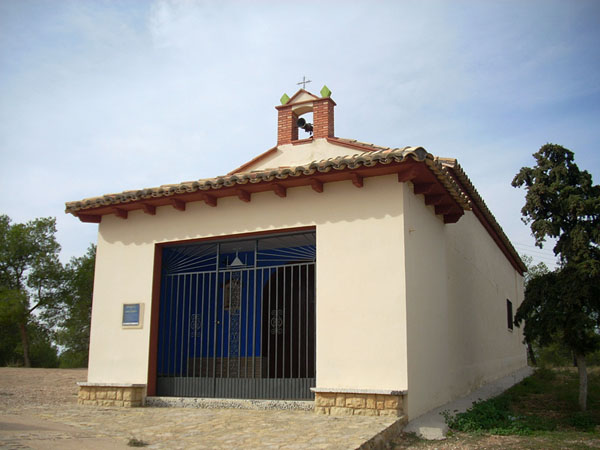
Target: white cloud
[102, 97]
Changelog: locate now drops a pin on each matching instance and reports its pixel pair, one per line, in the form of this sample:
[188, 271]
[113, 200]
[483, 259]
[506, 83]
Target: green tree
[563, 203]
[533, 271]
[31, 277]
[74, 313]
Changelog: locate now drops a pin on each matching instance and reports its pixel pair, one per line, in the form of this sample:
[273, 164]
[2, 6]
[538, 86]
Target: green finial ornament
[284, 98]
[325, 92]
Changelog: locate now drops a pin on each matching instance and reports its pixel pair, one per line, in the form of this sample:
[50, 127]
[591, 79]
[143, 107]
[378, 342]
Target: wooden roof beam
[90, 218]
[120, 212]
[316, 185]
[422, 188]
[452, 218]
[407, 173]
[444, 208]
[357, 180]
[434, 199]
[178, 204]
[280, 190]
[149, 209]
[210, 200]
[243, 195]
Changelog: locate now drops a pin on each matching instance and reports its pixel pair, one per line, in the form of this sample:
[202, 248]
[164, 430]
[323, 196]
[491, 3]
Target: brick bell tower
[300, 103]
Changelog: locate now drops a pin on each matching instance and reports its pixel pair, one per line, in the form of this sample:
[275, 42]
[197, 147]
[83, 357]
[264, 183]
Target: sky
[102, 96]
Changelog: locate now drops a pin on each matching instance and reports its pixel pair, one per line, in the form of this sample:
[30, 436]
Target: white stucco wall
[458, 281]
[361, 322]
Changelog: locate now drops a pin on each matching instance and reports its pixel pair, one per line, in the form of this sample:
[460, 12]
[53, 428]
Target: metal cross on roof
[304, 82]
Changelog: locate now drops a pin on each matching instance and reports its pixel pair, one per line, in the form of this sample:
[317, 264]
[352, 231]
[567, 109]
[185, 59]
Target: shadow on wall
[341, 202]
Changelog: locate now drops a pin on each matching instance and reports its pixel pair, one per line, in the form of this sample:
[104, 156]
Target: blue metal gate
[237, 319]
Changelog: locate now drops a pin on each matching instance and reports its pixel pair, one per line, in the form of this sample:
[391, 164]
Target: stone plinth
[355, 402]
[111, 394]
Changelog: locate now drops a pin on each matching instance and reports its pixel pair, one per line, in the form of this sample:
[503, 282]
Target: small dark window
[509, 314]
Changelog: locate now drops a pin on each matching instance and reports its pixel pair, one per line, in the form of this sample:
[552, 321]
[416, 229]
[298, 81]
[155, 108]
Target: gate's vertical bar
[291, 348]
[181, 353]
[197, 276]
[223, 320]
[214, 371]
[254, 313]
[269, 327]
[169, 340]
[228, 320]
[204, 288]
[200, 354]
[189, 319]
[247, 315]
[314, 320]
[283, 349]
[175, 337]
[276, 319]
[299, 320]
[239, 369]
[306, 326]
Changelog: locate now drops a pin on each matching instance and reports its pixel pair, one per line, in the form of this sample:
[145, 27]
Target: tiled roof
[372, 161]
[367, 159]
[479, 207]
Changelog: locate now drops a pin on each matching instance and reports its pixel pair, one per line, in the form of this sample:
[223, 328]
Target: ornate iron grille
[237, 319]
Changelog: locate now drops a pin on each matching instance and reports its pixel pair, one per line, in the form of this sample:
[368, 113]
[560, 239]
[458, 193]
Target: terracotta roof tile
[376, 156]
[451, 164]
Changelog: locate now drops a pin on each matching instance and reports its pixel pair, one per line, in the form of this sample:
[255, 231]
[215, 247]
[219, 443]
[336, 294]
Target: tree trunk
[583, 381]
[531, 354]
[25, 342]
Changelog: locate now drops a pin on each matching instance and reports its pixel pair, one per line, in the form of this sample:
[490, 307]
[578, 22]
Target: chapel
[358, 278]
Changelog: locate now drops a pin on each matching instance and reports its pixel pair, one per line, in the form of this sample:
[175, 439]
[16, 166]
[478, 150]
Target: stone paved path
[36, 424]
[187, 428]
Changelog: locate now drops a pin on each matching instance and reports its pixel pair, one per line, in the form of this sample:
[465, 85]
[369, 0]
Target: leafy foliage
[42, 352]
[73, 317]
[553, 307]
[563, 203]
[30, 277]
[533, 270]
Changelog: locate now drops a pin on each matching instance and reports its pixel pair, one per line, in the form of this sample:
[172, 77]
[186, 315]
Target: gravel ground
[38, 410]
[24, 388]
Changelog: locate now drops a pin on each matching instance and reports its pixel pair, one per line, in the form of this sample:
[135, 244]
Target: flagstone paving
[185, 428]
[27, 422]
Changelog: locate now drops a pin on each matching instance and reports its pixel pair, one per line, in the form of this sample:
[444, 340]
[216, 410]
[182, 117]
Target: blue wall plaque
[131, 315]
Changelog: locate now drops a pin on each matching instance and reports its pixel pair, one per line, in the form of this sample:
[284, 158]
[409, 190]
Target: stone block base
[360, 404]
[109, 394]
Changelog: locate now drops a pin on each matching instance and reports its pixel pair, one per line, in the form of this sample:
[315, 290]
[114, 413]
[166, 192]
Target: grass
[543, 402]
[540, 412]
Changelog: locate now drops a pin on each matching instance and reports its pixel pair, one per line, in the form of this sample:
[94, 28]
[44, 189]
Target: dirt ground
[28, 387]
[35, 392]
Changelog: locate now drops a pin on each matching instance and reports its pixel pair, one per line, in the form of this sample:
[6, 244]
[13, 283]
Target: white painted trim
[123, 385]
[358, 391]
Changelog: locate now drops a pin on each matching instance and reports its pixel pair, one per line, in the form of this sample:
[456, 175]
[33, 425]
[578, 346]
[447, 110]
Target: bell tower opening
[305, 125]
[305, 116]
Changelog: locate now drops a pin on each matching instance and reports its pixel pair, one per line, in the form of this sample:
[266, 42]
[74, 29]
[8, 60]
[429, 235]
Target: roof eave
[483, 213]
[414, 165]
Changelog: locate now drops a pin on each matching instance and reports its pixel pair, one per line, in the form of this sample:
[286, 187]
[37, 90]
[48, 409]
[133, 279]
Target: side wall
[360, 296]
[458, 282]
